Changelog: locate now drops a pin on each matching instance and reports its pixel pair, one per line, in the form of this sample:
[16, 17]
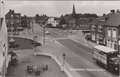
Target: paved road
[57, 33]
[84, 64]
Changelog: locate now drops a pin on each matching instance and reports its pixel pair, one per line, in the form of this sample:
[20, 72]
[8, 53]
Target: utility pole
[32, 26]
[44, 34]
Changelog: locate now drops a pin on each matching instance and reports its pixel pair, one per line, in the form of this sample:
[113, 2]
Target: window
[93, 28]
[17, 16]
[11, 16]
[115, 46]
[102, 19]
[99, 28]
[100, 36]
[109, 43]
[109, 32]
[114, 33]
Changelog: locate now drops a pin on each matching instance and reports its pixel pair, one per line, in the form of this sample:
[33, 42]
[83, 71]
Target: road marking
[58, 42]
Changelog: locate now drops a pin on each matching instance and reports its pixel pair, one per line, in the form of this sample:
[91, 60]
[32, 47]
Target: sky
[57, 8]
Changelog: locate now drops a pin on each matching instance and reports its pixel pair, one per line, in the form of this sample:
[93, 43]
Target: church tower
[73, 12]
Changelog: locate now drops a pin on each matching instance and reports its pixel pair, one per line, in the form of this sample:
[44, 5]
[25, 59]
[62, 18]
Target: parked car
[87, 37]
[47, 32]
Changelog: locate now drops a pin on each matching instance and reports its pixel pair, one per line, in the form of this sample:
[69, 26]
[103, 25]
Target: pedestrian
[37, 72]
[46, 67]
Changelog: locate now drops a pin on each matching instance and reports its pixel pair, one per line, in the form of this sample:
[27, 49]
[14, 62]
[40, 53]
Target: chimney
[104, 14]
[117, 11]
[112, 11]
[10, 10]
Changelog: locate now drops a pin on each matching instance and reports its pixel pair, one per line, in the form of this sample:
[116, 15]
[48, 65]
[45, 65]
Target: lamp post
[12, 23]
[64, 59]
[32, 26]
[44, 34]
[43, 26]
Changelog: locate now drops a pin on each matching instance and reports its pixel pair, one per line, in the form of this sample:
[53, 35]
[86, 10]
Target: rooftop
[113, 19]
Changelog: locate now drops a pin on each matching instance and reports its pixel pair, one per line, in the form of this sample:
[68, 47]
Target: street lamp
[12, 23]
[64, 59]
[44, 34]
[32, 26]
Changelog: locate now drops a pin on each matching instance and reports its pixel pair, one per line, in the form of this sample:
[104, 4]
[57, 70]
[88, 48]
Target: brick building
[13, 20]
[25, 21]
[112, 29]
[98, 31]
[107, 30]
[79, 21]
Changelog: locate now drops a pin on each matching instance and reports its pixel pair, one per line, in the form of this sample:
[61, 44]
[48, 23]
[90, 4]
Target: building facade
[25, 21]
[79, 21]
[4, 56]
[13, 20]
[98, 31]
[82, 24]
[53, 21]
[112, 29]
[107, 30]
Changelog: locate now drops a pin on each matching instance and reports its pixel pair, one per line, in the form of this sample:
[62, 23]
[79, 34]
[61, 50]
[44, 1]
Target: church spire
[73, 12]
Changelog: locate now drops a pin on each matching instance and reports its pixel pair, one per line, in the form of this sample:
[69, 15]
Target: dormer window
[11, 16]
[102, 19]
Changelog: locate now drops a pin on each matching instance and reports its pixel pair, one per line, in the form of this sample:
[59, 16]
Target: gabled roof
[100, 23]
[82, 21]
[113, 19]
[93, 20]
[11, 12]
